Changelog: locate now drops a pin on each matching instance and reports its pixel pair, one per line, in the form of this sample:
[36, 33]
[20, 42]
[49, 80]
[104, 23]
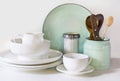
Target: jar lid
[71, 35]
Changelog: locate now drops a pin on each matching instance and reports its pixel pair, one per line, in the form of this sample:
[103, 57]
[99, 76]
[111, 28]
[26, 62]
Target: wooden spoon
[94, 22]
[88, 24]
[100, 18]
[108, 23]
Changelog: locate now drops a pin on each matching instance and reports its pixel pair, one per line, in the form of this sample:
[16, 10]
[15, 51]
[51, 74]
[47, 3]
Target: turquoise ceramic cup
[99, 51]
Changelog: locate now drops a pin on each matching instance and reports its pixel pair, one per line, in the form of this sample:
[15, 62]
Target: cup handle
[18, 36]
[40, 36]
[90, 60]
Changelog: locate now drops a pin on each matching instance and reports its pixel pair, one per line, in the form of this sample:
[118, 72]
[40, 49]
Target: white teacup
[32, 38]
[76, 62]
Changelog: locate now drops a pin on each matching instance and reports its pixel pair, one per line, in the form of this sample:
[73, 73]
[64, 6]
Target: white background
[21, 16]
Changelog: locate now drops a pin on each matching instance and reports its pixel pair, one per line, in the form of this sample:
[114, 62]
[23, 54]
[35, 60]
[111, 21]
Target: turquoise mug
[99, 51]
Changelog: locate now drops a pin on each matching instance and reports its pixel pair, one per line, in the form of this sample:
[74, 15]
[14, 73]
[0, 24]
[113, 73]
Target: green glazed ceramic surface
[66, 18]
[99, 51]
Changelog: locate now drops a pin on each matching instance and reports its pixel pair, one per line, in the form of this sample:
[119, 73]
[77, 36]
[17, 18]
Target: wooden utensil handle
[95, 29]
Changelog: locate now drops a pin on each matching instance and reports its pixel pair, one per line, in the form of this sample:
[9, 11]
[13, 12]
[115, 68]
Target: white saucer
[8, 57]
[30, 67]
[62, 69]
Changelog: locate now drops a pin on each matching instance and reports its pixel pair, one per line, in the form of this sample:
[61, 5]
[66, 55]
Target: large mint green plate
[66, 18]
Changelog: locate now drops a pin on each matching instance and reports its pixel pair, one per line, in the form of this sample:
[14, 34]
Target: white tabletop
[113, 74]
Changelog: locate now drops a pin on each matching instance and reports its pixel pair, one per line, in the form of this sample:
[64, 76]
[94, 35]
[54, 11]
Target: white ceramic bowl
[20, 49]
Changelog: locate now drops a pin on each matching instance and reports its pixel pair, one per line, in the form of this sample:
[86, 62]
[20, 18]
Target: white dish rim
[29, 68]
[91, 69]
[33, 62]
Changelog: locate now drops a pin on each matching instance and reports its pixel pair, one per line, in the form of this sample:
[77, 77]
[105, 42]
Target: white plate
[32, 67]
[62, 69]
[8, 57]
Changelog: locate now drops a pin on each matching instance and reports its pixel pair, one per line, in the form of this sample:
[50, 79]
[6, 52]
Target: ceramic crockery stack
[30, 46]
[30, 51]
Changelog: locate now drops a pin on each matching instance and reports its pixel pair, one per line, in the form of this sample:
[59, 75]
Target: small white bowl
[22, 50]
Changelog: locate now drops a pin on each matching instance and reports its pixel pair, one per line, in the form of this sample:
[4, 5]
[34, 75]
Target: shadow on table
[115, 64]
[44, 71]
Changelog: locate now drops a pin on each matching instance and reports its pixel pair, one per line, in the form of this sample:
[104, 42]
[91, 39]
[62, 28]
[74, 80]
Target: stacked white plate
[10, 60]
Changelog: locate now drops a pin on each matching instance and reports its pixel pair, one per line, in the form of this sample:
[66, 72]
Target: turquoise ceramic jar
[99, 51]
